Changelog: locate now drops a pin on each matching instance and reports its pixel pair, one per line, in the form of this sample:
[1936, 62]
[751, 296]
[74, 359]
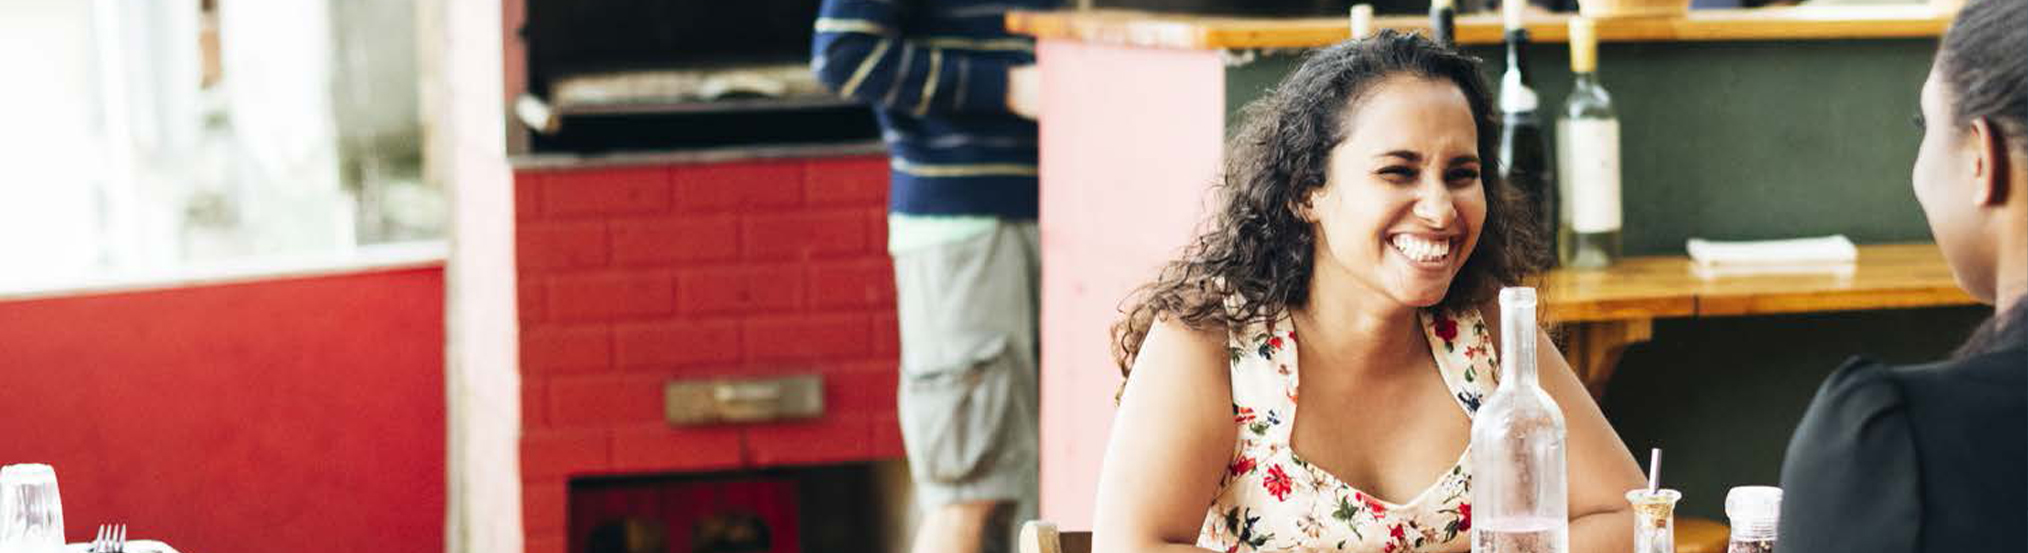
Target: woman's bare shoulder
[1174, 346]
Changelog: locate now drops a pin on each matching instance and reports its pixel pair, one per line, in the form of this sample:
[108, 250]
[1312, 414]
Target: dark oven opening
[828, 509]
[630, 75]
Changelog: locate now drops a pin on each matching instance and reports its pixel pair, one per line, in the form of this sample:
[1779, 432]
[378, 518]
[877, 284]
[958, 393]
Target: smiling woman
[1257, 250]
[1355, 213]
[1410, 167]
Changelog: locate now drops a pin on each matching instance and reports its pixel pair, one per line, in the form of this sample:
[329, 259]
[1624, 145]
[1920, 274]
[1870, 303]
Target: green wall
[1743, 140]
[1731, 140]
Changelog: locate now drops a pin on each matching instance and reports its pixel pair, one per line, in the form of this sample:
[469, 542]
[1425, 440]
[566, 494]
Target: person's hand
[1024, 91]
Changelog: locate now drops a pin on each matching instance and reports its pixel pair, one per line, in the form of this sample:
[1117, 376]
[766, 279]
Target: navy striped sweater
[935, 72]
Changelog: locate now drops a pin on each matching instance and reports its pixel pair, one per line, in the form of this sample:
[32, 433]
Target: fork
[111, 538]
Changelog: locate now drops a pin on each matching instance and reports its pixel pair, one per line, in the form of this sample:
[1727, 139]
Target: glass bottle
[1519, 493]
[1588, 156]
[1524, 155]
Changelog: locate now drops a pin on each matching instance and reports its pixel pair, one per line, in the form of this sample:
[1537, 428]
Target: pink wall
[301, 414]
[1130, 144]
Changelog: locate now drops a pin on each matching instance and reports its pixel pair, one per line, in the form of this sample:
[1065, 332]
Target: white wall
[465, 150]
[48, 192]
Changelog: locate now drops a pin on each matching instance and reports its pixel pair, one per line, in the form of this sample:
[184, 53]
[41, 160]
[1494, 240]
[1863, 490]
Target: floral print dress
[1269, 499]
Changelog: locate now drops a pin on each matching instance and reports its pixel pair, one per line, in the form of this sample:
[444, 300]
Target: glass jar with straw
[1654, 511]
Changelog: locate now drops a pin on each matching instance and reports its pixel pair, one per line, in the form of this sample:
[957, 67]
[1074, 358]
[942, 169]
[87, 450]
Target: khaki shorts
[968, 391]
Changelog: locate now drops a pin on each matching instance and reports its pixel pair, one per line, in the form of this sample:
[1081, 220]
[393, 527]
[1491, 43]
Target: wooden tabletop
[1885, 276]
[1184, 31]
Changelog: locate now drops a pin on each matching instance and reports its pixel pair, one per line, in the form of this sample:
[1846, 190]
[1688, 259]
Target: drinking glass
[1654, 519]
[31, 514]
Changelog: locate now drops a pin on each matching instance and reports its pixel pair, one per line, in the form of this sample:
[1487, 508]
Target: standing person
[954, 94]
[1930, 458]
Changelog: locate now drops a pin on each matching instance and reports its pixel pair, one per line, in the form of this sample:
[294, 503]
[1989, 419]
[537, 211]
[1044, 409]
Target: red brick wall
[632, 276]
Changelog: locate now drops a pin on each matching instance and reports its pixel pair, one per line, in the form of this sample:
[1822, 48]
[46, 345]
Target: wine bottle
[1519, 487]
[1524, 156]
[1441, 16]
[1588, 156]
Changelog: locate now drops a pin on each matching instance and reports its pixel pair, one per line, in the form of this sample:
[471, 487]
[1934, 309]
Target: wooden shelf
[1181, 31]
[1886, 276]
[1605, 311]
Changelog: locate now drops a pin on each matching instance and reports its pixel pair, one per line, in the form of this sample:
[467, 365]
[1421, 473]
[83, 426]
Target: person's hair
[1984, 63]
[1255, 251]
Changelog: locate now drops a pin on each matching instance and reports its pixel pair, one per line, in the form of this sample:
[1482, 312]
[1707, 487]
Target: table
[1601, 312]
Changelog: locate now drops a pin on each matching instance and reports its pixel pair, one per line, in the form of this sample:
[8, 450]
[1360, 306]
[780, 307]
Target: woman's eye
[1397, 173]
[1464, 175]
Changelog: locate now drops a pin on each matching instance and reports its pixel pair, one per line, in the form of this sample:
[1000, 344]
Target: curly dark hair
[1255, 250]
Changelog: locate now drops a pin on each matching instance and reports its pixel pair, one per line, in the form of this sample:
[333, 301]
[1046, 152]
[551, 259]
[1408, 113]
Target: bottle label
[1588, 158]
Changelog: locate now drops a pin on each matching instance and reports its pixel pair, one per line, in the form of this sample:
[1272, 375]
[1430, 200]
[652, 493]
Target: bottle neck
[1585, 80]
[1517, 63]
[1517, 346]
[1517, 93]
[1441, 15]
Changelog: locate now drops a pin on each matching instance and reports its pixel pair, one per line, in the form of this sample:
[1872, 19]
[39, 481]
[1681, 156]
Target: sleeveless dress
[1269, 499]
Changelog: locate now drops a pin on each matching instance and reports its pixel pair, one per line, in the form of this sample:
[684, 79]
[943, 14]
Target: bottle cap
[1754, 510]
[1362, 21]
[1583, 45]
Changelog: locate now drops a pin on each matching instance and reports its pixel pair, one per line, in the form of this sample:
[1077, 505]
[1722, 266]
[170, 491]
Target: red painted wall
[300, 414]
[632, 276]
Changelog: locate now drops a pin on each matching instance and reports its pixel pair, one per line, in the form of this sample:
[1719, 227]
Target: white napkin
[1796, 251]
[1834, 255]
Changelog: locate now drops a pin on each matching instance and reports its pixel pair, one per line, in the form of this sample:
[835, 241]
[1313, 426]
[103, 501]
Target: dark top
[935, 72]
[1927, 458]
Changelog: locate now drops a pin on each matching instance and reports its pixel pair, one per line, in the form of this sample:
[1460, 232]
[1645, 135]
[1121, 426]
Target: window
[149, 136]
